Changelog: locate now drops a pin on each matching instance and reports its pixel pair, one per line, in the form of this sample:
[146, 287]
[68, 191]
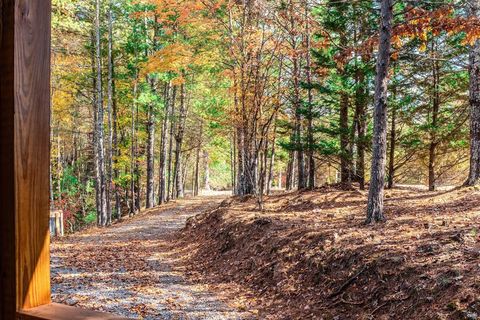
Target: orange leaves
[175, 13]
[188, 31]
[172, 58]
[420, 24]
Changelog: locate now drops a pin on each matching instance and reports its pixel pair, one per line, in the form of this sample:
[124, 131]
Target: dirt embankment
[309, 255]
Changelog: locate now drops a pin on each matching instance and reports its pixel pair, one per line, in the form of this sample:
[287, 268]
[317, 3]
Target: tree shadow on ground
[421, 264]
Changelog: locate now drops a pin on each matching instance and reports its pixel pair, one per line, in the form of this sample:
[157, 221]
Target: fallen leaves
[305, 256]
[132, 269]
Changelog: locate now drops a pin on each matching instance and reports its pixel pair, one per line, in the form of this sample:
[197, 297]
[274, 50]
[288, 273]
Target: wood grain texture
[60, 312]
[24, 165]
[32, 151]
[7, 194]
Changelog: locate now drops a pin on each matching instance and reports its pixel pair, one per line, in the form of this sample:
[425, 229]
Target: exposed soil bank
[309, 255]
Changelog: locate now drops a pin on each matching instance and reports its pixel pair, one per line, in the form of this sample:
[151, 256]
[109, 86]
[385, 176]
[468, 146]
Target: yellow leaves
[423, 35]
[189, 30]
[397, 41]
[61, 103]
[423, 47]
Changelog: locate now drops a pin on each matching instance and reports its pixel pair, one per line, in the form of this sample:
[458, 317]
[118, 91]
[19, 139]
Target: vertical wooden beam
[32, 151]
[24, 155]
[7, 194]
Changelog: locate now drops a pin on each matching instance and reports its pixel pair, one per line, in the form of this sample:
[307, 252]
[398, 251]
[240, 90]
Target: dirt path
[130, 269]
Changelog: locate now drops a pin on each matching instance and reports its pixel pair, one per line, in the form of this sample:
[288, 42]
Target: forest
[153, 99]
[335, 115]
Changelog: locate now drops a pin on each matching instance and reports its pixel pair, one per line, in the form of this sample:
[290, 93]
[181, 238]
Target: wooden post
[24, 156]
[7, 194]
[56, 223]
[24, 165]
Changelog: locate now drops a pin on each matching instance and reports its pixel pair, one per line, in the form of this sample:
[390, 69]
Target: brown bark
[310, 141]
[163, 146]
[361, 106]
[434, 123]
[150, 201]
[206, 170]
[393, 140]
[170, 145]
[196, 173]
[345, 156]
[290, 172]
[179, 142]
[474, 88]
[301, 178]
[196, 181]
[375, 195]
[272, 161]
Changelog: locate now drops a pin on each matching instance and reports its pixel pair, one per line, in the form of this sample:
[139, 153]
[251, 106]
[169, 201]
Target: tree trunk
[377, 181]
[345, 159]
[133, 157]
[233, 163]
[59, 168]
[240, 162]
[110, 106]
[272, 159]
[311, 159]
[137, 162]
[290, 171]
[308, 71]
[170, 145]
[196, 179]
[150, 201]
[361, 107]
[393, 140]
[163, 147]
[150, 198]
[100, 149]
[114, 153]
[206, 169]
[474, 88]
[262, 175]
[179, 142]
[196, 173]
[251, 169]
[98, 207]
[301, 178]
[431, 167]
[434, 124]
